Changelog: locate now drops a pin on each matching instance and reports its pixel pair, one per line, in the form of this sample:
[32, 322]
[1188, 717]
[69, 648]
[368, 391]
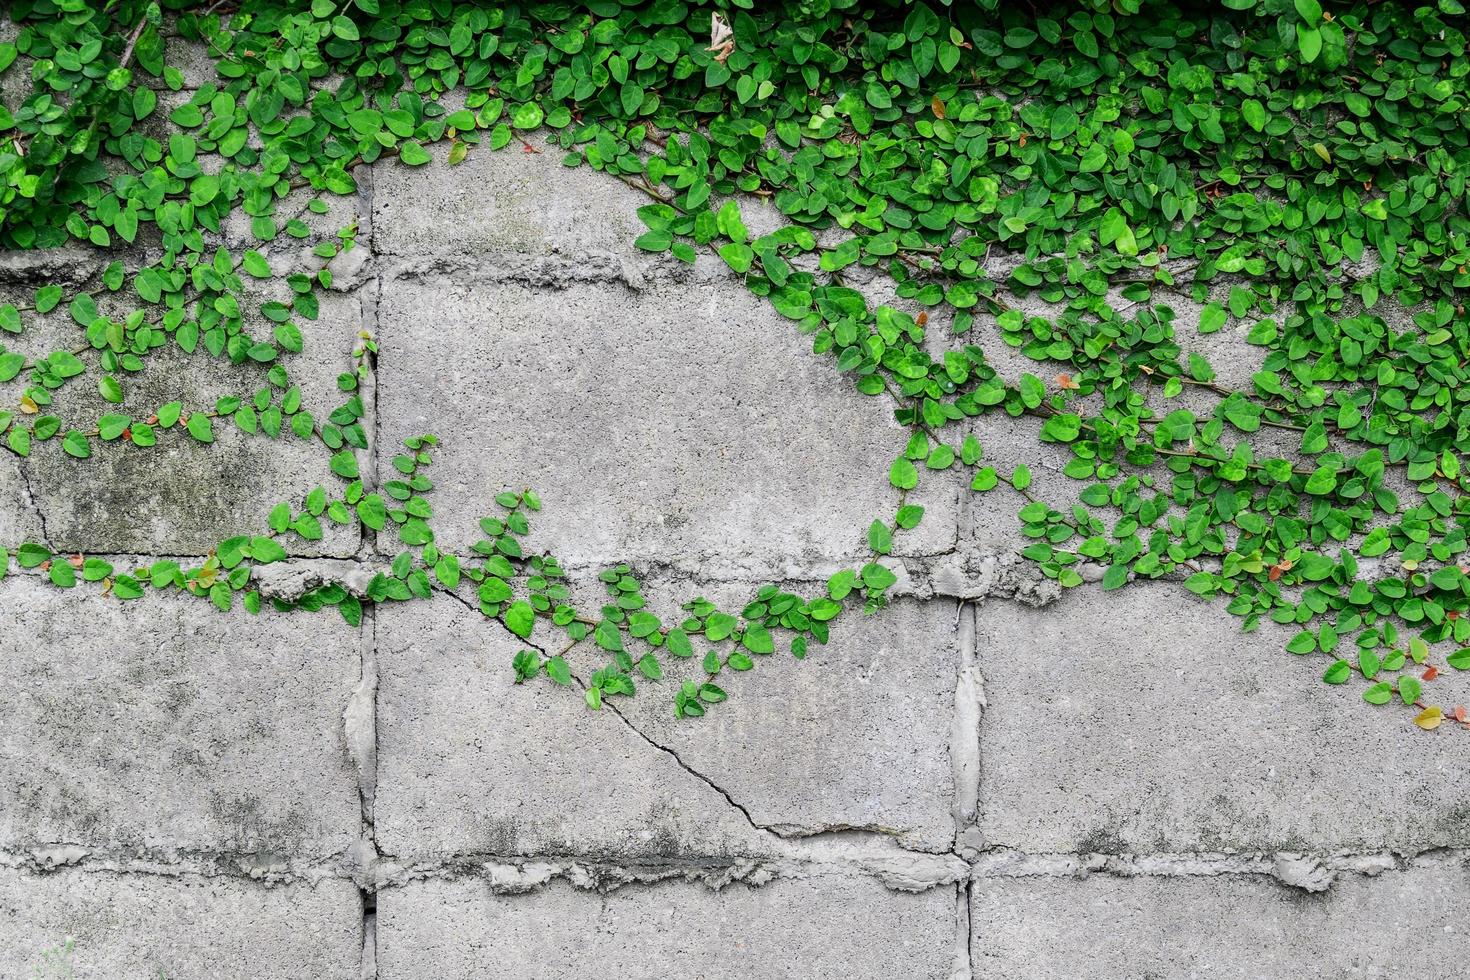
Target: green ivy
[1297, 170]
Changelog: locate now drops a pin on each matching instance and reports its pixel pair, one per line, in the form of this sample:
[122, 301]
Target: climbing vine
[1048, 181]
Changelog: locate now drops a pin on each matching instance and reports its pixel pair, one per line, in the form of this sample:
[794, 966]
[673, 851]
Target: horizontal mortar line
[273, 866]
[1004, 863]
[916, 563]
[392, 873]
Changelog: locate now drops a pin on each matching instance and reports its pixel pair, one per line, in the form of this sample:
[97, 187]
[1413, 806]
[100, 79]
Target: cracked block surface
[1114, 723]
[142, 927]
[645, 420]
[855, 736]
[182, 497]
[1408, 923]
[162, 724]
[819, 928]
[470, 763]
[454, 732]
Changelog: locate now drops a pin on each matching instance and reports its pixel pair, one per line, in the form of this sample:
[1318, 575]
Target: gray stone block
[507, 202]
[1144, 720]
[1407, 923]
[180, 497]
[822, 928]
[143, 927]
[162, 724]
[856, 736]
[679, 424]
[469, 763]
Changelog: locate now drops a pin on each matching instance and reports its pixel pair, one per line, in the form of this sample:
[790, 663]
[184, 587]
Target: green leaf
[1309, 43]
[757, 639]
[880, 539]
[519, 617]
[1115, 577]
[903, 475]
[1212, 318]
[200, 427]
[1380, 693]
[75, 444]
[413, 154]
[559, 670]
[1310, 10]
[1254, 114]
[266, 550]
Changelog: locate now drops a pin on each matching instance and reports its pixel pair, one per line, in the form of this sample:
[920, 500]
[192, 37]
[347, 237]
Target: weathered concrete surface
[158, 726]
[1407, 923]
[648, 422]
[822, 928]
[526, 205]
[1126, 721]
[884, 682]
[470, 763]
[454, 730]
[179, 497]
[826, 821]
[660, 416]
[142, 927]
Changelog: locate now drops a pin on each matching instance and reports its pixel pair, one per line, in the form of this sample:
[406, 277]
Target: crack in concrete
[25, 479]
[608, 703]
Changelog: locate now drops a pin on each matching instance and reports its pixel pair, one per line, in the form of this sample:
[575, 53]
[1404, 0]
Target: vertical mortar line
[964, 750]
[368, 778]
[962, 968]
[362, 713]
[369, 294]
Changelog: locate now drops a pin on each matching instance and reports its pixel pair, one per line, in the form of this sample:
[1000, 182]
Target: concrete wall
[989, 779]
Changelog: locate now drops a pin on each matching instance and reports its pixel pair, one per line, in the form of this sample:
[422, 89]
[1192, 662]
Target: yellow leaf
[28, 406]
[1322, 152]
[938, 106]
[1429, 719]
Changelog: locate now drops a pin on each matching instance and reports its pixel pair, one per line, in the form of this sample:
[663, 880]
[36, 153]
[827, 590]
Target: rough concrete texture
[453, 729]
[1117, 728]
[180, 496]
[989, 779]
[653, 423]
[1401, 923]
[806, 929]
[143, 927]
[155, 727]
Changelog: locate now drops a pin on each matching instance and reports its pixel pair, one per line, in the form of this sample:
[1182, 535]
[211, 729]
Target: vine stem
[127, 56]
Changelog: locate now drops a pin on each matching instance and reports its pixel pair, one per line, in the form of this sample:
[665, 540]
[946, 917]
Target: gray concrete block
[162, 724]
[180, 497]
[1407, 923]
[468, 762]
[507, 202]
[687, 425]
[813, 929]
[143, 927]
[1144, 720]
[855, 736]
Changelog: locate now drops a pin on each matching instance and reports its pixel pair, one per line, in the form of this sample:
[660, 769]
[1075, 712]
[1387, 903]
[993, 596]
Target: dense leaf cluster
[1050, 187]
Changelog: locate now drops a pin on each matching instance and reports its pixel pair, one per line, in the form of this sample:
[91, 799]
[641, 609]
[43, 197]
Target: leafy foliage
[1056, 181]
